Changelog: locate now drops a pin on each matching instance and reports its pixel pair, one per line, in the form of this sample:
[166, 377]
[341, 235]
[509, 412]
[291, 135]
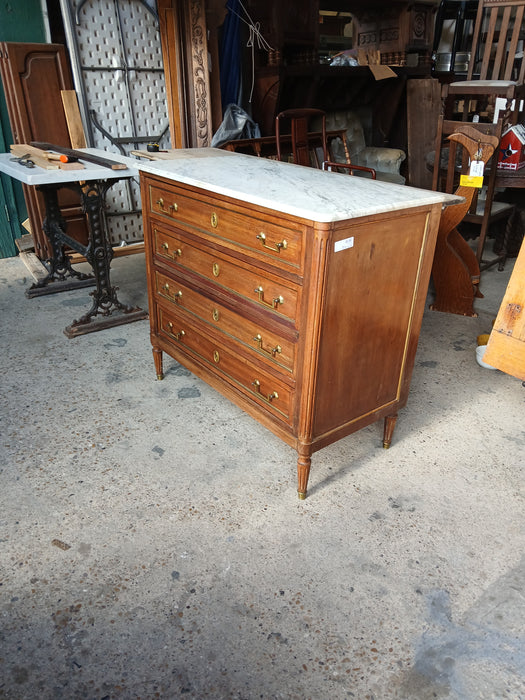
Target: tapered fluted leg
[157, 359]
[390, 424]
[304, 460]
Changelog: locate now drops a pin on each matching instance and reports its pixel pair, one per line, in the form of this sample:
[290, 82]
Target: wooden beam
[506, 346]
[73, 119]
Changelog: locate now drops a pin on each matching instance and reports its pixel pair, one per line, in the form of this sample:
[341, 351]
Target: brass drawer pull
[166, 289]
[175, 336]
[277, 248]
[172, 207]
[272, 304]
[176, 253]
[269, 397]
[271, 351]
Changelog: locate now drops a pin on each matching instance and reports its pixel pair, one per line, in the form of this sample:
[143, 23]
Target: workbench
[92, 183]
[296, 293]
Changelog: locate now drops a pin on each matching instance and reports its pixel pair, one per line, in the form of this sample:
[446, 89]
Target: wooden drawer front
[260, 287]
[268, 240]
[263, 342]
[254, 382]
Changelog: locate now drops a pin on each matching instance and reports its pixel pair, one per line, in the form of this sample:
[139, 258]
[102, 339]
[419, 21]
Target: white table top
[39, 176]
[292, 189]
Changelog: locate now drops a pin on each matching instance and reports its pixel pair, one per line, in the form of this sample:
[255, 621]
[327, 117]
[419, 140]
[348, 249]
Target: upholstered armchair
[385, 161]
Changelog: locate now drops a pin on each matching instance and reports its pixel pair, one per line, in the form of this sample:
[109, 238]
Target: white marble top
[40, 176]
[292, 189]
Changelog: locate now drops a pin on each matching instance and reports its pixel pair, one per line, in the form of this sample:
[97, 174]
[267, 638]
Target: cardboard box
[512, 149]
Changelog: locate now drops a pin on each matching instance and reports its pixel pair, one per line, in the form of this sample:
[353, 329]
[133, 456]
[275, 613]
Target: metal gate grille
[118, 72]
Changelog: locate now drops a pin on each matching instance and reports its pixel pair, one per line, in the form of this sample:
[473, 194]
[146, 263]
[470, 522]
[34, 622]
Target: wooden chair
[456, 270]
[496, 67]
[299, 121]
[483, 211]
[266, 146]
[305, 146]
[332, 166]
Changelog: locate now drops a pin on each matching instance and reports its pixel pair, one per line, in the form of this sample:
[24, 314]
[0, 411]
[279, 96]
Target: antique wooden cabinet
[296, 293]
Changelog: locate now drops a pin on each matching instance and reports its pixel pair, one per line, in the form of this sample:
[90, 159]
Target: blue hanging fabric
[230, 55]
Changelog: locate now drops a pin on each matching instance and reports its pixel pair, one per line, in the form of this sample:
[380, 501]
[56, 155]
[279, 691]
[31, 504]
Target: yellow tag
[470, 181]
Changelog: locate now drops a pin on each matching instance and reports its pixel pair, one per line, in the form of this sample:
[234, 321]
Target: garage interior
[152, 541]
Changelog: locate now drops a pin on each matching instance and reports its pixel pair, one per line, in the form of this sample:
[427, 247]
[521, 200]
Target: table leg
[99, 254]
[61, 275]
[304, 462]
[388, 432]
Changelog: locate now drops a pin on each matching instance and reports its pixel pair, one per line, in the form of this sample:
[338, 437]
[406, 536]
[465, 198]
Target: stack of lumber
[49, 160]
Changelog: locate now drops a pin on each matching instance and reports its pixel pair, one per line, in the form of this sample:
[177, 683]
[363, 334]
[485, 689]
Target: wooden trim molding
[185, 53]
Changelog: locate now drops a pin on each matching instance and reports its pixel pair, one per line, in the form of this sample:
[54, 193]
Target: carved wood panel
[185, 50]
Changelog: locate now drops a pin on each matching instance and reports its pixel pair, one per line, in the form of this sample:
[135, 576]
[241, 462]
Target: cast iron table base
[98, 253]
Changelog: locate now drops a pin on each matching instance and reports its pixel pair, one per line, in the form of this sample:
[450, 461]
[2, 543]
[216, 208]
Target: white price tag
[477, 168]
[344, 244]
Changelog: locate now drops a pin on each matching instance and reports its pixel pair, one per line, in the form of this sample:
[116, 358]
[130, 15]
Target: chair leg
[501, 257]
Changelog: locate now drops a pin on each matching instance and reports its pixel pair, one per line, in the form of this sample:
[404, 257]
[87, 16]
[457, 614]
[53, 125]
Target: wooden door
[33, 76]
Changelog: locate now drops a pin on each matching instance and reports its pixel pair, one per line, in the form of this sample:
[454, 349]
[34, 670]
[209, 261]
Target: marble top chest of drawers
[305, 318]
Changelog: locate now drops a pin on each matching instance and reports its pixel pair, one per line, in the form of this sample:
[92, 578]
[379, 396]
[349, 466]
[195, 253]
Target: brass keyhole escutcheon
[215, 314]
[216, 356]
[214, 220]
[216, 269]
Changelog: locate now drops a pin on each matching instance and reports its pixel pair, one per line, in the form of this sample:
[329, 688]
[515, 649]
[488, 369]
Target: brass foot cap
[160, 377]
[302, 495]
[386, 445]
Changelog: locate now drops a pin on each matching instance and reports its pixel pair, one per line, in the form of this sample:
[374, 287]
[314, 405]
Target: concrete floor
[153, 546]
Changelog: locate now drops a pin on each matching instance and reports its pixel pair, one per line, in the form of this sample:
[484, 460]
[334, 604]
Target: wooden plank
[506, 346]
[34, 265]
[118, 252]
[25, 243]
[73, 119]
[72, 166]
[19, 150]
[159, 155]
[72, 153]
[423, 106]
